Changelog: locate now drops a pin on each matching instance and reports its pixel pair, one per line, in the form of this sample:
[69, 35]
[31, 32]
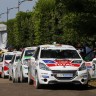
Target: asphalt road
[7, 88]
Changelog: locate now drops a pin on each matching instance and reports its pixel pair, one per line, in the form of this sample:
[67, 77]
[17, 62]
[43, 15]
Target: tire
[13, 79]
[3, 74]
[37, 85]
[10, 78]
[30, 81]
[16, 79]
[21, 77]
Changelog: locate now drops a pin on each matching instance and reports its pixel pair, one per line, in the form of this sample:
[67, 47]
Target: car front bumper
[53, 77]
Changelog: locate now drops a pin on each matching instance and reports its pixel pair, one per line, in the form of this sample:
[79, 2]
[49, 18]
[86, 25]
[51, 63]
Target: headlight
[82, 67]
[43, 67]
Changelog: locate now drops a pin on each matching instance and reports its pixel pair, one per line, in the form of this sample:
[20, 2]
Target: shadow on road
[68, 87]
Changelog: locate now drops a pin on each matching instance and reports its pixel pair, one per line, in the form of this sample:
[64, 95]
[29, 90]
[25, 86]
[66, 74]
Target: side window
[36, 53]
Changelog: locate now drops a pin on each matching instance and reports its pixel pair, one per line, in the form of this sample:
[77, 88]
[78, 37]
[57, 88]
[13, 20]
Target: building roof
[3, 27]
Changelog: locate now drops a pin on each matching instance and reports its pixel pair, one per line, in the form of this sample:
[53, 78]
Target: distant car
[53, 64]
[22, 66]
[13, 64]
[4, 62]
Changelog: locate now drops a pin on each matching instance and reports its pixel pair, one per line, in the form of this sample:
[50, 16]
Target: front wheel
[13, 78]
[30, 81]
[36, 82]
[17, 78]
[3, 74]
[21, 77]
[10, 78]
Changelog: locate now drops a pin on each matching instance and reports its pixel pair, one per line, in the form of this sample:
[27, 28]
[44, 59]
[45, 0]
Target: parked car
[53, 64]
[13, 64]
[22, 66]
[4, 62]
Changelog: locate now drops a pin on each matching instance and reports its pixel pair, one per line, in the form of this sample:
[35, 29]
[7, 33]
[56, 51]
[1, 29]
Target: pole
[18, 5]
[7, 13]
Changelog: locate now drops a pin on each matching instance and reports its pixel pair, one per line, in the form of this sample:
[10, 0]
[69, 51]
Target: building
[3, 36]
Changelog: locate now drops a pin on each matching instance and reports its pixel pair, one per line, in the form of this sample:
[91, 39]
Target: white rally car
[21, 72]
[13, 64]
[5, 60]
[52, 64]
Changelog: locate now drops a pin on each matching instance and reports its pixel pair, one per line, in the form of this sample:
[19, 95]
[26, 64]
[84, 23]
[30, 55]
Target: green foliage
[60, 21]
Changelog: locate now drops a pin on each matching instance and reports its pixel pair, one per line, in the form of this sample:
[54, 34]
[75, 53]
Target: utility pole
[7, 13]
[8, 9]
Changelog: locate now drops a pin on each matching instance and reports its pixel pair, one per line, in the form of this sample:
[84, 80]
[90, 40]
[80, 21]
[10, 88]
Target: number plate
[65, 75]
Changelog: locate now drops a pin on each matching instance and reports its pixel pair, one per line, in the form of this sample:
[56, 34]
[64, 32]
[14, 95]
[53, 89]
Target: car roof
[17, 52]
[8, 53]
[30, 48]
[58, 46]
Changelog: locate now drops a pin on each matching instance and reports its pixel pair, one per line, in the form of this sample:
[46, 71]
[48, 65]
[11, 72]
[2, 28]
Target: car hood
[7, 61]
[27, 57]
[61, 64]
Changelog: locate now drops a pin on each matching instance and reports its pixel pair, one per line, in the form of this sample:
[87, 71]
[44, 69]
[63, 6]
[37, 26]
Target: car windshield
[50, 53]
[29, 52]
[8, 57]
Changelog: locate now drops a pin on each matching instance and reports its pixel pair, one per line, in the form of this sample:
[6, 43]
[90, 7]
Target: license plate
[65, 75]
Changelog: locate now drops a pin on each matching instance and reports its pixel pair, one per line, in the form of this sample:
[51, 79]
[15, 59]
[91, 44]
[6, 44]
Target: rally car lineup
[48, 64]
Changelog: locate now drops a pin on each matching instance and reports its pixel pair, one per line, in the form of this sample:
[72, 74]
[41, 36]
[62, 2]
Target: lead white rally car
[52, 64]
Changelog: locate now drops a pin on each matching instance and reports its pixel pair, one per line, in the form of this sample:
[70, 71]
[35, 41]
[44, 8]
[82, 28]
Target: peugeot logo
[64, 66]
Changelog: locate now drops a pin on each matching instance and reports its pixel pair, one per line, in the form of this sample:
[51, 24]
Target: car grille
[55, 72]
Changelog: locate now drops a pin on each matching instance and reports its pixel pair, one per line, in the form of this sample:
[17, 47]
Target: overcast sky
[25, 6]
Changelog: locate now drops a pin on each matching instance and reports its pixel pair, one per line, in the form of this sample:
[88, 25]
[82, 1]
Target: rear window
[52, 53]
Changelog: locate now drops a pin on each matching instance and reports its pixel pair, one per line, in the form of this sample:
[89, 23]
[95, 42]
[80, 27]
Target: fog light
[45, 80]
[82, 80]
